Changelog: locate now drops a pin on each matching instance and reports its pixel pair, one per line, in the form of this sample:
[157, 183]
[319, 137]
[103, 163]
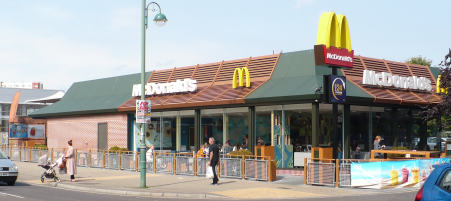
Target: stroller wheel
[42, 179]
[56, 179]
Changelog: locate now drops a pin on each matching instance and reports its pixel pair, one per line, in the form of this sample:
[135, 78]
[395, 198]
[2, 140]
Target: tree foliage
[420, 61]
[442, 109]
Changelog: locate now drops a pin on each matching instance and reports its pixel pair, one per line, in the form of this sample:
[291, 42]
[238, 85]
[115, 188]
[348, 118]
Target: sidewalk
[177, 186]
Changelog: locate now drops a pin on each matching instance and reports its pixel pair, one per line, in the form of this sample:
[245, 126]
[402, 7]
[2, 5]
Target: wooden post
[428, 154]
[305, 170]
[89, 158]
[195, 165]
[337, 173]
[372, 154]
[154, 162]
[243, 167]
[120, 161]
[103, 159]
[51, 154]
[76, 157]
[174, 164]
[137, 161]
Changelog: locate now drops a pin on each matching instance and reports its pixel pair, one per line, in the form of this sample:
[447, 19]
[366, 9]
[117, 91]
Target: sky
[59, 42]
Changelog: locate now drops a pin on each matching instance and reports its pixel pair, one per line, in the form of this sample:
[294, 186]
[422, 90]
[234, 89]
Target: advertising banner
[18, 131]
[392, 174]
[142, 111]
[36, 131]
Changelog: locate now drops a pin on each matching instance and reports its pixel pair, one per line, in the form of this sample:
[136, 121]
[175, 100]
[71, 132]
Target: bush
[117, 149]
[40, 146]
[241, 152]
[397, 155]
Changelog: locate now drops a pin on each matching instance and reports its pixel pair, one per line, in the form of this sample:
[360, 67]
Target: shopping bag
[209, 173]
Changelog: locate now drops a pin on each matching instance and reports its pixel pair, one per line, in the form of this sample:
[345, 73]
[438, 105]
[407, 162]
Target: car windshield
[2, 155]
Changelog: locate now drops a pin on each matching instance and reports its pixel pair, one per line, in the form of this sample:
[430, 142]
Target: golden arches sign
[438, 89]
[333, 30]
[240, 73]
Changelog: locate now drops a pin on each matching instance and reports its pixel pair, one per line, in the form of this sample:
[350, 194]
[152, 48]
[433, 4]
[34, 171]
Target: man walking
[214, 158]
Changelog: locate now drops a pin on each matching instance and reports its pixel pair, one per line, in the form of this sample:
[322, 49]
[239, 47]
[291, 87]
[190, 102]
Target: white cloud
[302, 3]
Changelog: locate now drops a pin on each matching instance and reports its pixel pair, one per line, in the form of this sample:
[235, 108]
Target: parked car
[437, 187]
[8, 170]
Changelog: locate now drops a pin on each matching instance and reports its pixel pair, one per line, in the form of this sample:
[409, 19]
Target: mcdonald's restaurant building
[280, 98]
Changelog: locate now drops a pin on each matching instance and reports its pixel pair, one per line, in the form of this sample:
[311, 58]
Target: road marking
[12, 195]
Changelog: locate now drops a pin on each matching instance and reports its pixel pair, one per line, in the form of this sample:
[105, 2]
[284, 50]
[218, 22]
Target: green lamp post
[159, 19]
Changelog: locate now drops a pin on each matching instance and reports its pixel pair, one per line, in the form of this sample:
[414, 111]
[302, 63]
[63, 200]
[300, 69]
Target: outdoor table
[426, 154]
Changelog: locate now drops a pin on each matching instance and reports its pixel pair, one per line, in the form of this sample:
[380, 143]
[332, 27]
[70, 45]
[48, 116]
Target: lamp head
[160, 19]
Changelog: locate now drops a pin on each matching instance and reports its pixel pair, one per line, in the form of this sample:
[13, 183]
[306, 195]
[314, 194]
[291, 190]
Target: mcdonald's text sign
[333, 42]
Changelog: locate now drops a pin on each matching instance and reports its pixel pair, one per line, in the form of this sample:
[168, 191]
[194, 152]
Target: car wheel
[11, 183]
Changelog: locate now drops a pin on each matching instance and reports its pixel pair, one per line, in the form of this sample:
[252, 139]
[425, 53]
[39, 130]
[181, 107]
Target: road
[26, 192]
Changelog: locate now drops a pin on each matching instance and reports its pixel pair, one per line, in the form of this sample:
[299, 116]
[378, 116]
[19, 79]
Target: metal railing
[256, 169]
[321, 172]
[184, 164]
[231, 167]
[241, 167]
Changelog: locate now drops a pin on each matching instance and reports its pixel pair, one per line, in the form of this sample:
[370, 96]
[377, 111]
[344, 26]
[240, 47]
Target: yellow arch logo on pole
[333, 30]
[241, 72]
[440, 90]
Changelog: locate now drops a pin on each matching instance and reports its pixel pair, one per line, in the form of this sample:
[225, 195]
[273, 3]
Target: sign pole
[334, 121]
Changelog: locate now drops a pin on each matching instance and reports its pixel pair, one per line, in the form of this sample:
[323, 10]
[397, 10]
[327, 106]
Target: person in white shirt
[149, 154]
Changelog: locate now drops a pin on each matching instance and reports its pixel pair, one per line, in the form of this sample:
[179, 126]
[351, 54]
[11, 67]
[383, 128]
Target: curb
[136, 193]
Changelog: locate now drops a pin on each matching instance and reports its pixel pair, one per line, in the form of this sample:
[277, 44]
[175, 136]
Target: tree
[420, 61]
[442, 109]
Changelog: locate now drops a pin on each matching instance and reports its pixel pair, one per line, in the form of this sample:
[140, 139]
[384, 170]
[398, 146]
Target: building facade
[279, 100]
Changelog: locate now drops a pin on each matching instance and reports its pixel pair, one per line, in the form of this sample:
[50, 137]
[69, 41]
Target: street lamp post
[159, 19]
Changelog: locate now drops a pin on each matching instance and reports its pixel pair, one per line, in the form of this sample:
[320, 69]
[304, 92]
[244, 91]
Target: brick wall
[83, 131]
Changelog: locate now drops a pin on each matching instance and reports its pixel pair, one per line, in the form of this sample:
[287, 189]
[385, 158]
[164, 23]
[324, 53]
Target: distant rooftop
[27, 95]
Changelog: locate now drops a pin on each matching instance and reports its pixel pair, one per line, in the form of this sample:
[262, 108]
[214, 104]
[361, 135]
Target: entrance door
[102, 136]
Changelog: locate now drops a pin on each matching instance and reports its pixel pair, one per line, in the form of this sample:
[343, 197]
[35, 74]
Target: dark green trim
[315, 124]
[197, 128]
[251, 129]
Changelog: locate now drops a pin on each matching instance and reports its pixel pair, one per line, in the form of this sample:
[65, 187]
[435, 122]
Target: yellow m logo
[241, 72]
[440, 90]
[333, 30]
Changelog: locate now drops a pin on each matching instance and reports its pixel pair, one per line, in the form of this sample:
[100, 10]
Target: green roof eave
[93, 96]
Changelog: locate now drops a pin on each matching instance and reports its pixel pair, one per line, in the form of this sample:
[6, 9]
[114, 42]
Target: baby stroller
[49, 167]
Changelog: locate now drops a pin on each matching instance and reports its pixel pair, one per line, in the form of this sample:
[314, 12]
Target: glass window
[238, 126]
[212, 125]
[445, 183]
[263, 128]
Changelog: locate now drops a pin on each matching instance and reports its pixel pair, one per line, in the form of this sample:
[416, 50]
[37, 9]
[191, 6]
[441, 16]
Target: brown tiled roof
[214, 83]
[386, 95]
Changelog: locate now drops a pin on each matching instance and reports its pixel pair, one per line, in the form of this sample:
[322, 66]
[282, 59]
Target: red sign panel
[333, 56]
